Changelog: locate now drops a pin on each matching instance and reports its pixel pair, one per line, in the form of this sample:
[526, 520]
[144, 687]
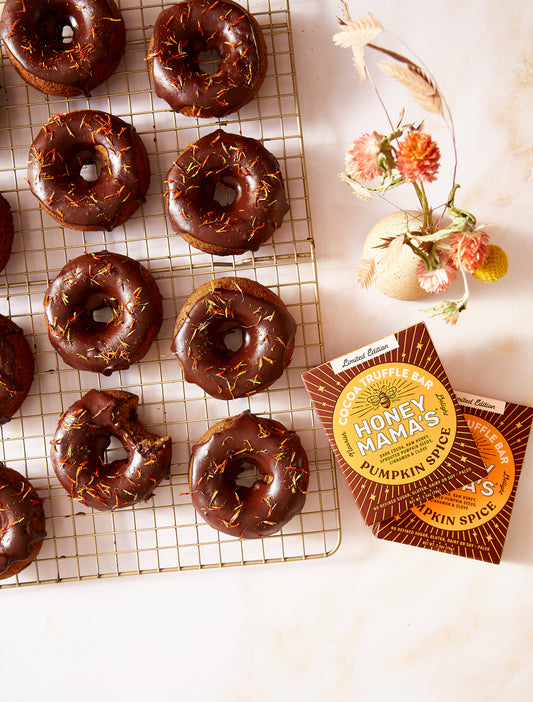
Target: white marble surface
[376, 620]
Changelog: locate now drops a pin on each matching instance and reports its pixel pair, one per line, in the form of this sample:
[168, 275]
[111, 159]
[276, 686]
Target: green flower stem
[382, 188]
[422, 198]
[436, 236]
[430, 257]
[458, 216]
[466, 294]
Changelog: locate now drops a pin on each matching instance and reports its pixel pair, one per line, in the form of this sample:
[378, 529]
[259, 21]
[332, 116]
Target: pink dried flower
[452, 316]
[437, 280]
[362, 157]
[418, 157]
[469, 249]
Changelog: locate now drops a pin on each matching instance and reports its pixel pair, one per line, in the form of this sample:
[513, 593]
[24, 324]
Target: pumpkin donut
[6, 232]
[84, 432]
[35, 35]
[93, 282]
[68, 143]
[17, 368]
[22, 522]
[182, 32]
[244, 166]
[233, 306]
[233, 446]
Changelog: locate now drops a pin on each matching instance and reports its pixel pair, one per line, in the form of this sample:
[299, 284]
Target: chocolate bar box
[473, 521]
[394, 424]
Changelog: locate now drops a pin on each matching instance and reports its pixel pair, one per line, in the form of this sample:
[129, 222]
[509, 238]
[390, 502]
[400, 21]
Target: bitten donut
[6, 232]
[22, 522]
[242, 165]
[63, 47]
[78, 451]
[17, 368]
[235, 445]
[185, 30]
[93, 282]
[241, 308]
[58, 169]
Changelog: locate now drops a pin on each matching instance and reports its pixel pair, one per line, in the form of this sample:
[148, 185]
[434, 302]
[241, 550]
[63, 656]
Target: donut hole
[67, 34]
[249, 473]
[220, 187]
[208, 61]
[91, 170]
[103, 315]
[91, 163]
[224, 194]
[57, 29]
[100, 309]
[114, 451]
[230, 337]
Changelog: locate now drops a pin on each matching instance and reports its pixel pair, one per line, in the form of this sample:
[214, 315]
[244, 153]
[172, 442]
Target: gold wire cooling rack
[164, 533]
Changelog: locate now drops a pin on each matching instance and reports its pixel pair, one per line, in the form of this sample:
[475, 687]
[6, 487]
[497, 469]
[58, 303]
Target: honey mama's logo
[394, 424]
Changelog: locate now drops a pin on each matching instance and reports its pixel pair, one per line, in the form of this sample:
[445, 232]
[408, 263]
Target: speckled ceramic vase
[399, 280]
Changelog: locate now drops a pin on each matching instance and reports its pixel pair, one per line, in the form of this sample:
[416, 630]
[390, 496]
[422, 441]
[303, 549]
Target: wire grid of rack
[164, 533]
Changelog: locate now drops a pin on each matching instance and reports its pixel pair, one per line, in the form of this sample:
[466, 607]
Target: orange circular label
[477, 503]
[394, 423]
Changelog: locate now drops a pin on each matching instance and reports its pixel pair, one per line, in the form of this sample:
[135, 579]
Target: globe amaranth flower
[418, 157]
[469, 249]
[438, 279]
[362, 157]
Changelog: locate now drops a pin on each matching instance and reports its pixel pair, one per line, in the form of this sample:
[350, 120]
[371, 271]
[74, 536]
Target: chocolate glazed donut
[244, 166]
[34, 35]
[7, 232]
[81, 438]
[17, 368]
[233, 306]
[22, 522]
[233, 446]
[182, 32]
[71, 141]
[93, 282]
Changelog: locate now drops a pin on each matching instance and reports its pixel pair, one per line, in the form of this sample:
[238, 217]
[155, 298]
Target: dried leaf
[345, 10]
[385, 242]
[366, 272]
[361, 192]
[355, 35]
[419, 85]
[358, 32]
[392, 254]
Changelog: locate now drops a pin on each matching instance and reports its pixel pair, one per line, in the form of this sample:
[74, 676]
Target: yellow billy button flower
[493, 267]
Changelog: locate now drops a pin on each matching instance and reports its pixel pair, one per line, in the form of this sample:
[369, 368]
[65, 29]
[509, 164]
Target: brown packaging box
[473, 521]
[394, 424]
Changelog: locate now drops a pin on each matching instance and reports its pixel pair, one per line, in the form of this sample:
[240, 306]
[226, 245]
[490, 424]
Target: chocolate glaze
[6, 232]
[182, 32]
[22, 522]
[17, 368]
[233, 446]
[94, 281]
[241, 164]
[68, 142]
[222, 306]
[32, 34]
[81, 438]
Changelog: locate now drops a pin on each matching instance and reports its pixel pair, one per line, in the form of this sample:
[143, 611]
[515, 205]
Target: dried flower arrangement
[445, 244]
